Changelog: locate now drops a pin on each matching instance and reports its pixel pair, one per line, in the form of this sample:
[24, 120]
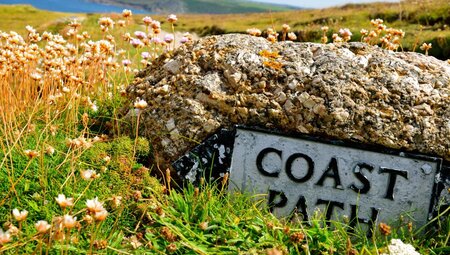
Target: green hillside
[198, 6]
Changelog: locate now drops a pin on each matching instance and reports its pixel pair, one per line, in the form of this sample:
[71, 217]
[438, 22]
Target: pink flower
[156, 24]
[184, 40]
[139, 34]
[126, 62]
[147, 20]
[20, 216]
[156, 40]
[100, 215]
[63, 201]
[93, 205]
[145, 55]
[5, 237]
[172, 18]
[69, 221]
[136, 43]
[169, 38]
[42, 226]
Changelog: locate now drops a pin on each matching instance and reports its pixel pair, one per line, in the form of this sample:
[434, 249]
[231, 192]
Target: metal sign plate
[302, 175]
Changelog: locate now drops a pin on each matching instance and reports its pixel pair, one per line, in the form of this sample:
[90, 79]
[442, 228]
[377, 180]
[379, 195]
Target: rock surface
[348, 91]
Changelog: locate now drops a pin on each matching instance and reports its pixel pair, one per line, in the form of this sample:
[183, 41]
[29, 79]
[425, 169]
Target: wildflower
[93, 205]
[101, 215]
[254, 31]
[134, 242]
[156, 40]
[63, 201]
[425, 47]
[36, 76]
[292, 36]
[88, 219]
[42, 226]
[126, 62]
[116, 201]
[324, 39]
[145, 55]
[126, 13]
[285, 28]
[75, 24]
[172, 18]
[89, 174]
[140, 35]
[136, 43]
[376, 22]
[346, 34]
[271, 38]
[385, 229]
[140, 104]
[337, 38]
[53, 129]
[156, 24]
[69, 221]
[121, 23]
[168, 38]
[5, 237]
[31, 153]
[13, 230]
[106, 22]
[50, 150]
[106, 159]
[20, 216]
[324, 29]
[363, 32]
[203, 226]
[184, 40]
[147, 20]
[94, 107]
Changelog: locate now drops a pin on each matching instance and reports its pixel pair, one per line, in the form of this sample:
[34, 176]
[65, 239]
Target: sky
[320, 3]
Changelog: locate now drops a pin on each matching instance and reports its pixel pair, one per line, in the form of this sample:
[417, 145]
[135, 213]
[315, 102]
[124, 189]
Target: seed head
[297, 237]
[385, 229]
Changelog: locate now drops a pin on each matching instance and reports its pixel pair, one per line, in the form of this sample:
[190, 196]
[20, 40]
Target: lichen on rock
[348, 91]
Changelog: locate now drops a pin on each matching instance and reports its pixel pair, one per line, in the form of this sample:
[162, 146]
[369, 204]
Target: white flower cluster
[397, 247]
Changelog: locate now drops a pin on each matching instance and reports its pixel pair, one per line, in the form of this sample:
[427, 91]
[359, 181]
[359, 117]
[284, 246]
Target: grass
[60, 135]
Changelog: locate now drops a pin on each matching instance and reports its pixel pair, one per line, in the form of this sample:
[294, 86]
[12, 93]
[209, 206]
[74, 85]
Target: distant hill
[198, 6]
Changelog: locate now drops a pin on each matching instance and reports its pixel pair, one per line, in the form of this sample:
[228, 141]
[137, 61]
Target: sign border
[437, 186]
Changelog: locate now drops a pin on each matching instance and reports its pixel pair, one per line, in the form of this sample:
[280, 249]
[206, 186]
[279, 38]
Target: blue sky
[320, 3]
